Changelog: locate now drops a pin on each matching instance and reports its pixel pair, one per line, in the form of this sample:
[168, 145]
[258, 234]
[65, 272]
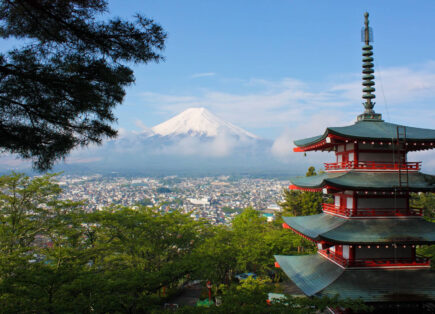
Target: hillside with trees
[56, 258]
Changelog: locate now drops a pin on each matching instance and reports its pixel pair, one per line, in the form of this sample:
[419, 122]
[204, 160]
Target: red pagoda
[367, 238]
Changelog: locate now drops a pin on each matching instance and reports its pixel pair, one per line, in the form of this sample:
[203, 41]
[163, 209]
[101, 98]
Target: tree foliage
[56, 258]
[58, 90]
[41, 245]
[251, 294]
[311, 172]
[248, 246]
[426, 201]
[299, 203]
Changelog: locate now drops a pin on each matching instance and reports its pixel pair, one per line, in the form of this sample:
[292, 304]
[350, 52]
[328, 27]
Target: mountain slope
[199, 122]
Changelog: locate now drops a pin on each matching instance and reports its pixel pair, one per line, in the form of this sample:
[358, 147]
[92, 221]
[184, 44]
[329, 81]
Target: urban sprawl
[217, 199]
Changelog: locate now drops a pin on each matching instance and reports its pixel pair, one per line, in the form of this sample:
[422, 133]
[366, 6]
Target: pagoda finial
[368, 77]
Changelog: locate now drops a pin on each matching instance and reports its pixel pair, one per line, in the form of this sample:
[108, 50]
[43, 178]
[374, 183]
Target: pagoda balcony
[417, 261]
[372, 165]
[371, 212]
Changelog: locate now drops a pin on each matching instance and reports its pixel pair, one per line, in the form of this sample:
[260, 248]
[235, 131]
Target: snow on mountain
[199, 122]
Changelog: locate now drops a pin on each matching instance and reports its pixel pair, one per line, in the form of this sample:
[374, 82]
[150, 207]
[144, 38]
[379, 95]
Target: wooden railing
[371, 212]
[376, 262]
[373, 165]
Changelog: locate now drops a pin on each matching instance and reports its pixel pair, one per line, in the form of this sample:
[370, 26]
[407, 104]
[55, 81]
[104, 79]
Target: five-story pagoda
[367, 239]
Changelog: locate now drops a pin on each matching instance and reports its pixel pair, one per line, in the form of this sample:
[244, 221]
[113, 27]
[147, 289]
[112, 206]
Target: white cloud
[427, 157]
[13, 162]
[300, 109]
[220, 146]
[206, 74]
[292, 102]
[80, 160]
[142, 126]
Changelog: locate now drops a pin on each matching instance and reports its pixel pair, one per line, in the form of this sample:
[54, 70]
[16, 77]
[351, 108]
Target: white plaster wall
[337, 200]
[346, 251]
[349, 202]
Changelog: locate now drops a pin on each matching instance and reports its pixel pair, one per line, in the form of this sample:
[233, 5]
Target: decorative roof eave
[316, 275]
[324, 228]
[376, 132]
[354, 180]
[323, 142]
[286, 226]
[327, 143]
[295, 187]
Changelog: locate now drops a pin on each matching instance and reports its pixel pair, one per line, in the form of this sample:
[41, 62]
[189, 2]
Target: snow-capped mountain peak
[201, 122]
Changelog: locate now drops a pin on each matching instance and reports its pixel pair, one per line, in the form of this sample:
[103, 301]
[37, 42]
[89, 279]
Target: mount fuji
[200, 122]
[194, 142]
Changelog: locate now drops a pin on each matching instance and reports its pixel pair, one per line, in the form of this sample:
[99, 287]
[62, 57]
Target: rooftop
[354, 180]
[329, 228]
[316, 275]
[375, 131]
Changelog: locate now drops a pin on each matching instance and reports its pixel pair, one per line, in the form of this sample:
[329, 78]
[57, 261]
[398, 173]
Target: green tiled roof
[340, 230]
[314, 226]
[366, 180]
[371, 130]
[311, 273]
[384, 285]
[315, 275]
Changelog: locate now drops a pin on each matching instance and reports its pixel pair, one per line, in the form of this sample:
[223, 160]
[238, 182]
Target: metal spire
[368, 77]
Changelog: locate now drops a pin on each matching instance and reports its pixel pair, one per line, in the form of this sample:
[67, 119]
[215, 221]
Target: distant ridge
[199, 122]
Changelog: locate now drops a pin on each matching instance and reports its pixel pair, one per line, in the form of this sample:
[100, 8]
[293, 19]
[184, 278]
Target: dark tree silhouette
[58, 90]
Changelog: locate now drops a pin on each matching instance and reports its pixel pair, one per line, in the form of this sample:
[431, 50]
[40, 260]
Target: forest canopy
[58, 258]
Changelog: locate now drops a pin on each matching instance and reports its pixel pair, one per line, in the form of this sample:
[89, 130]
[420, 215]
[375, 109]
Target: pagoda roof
[355, 180]
[370, 130]
[329, 228]
[316, 275]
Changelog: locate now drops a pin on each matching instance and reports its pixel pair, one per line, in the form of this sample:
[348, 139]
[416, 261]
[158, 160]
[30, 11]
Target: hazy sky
[283, 67]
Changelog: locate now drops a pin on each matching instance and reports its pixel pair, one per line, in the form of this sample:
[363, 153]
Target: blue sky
[283, 67]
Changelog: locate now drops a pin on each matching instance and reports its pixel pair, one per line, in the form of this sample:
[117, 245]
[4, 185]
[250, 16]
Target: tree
[41, 244]
[57, 92]
[143, 251]
[55, 258]
[217, 256]
[426, 201]
[250, 296]
[299, 203]
[311, 172]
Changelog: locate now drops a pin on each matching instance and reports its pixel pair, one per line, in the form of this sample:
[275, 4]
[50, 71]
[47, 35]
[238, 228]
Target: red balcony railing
[376, 262]
[372, 165]
[371, 212]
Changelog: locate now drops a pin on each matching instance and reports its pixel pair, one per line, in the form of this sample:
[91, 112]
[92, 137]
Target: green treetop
[58, 90]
